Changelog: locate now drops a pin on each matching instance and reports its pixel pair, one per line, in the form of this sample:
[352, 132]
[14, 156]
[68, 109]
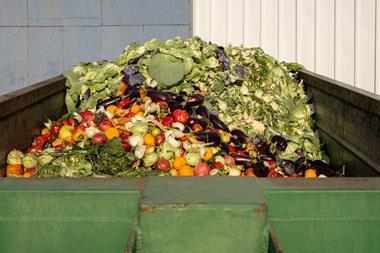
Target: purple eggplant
[235, 140]
[242, 160]
[203, 111]
[156, 95]
[195, 100]
[243, 138]
[107, 102]
[174, 105]
[218, 124]
[133, 94]
[279, 142]
[194, 120]
[260, 170]
[208, 137]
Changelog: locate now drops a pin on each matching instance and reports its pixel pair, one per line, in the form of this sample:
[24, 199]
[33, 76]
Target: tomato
[54, 130]
[42, 139]
[160, 138]
[218, 165]
[35, 148]
[167, 121]
[72, 122]
[123, 137]
[241, 153]
[273, 173]
[124, 103]
[127, 147]
[180, 115]
[231, 149]
[183, 139]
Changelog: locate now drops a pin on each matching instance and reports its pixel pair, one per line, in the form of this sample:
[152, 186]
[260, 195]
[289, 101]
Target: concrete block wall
[42, 38]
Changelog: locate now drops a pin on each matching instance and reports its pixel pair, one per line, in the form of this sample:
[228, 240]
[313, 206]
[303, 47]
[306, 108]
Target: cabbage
[14, 157]
[139, 128]
[150, 159]
[44, 159]
[29, 161]
[193, 158]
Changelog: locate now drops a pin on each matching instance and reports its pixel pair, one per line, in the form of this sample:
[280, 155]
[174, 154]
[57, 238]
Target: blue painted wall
[42, 38]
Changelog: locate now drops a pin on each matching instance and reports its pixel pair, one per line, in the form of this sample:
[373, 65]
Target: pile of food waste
[179, 108]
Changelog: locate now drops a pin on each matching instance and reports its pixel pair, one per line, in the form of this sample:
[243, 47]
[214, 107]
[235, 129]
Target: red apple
[99, 138]
[229, 159]
[162, 165]
[202, 169]
[104, 125]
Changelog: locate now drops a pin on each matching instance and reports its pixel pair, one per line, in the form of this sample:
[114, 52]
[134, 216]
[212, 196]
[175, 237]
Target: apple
[162, 165]
[202, 169]
[104, 125]
[229, 159]
[99, 138]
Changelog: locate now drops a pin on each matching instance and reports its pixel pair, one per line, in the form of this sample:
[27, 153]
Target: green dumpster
[211, 214]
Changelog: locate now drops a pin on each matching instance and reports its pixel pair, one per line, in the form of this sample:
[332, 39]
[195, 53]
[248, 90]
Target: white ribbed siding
[336, 38]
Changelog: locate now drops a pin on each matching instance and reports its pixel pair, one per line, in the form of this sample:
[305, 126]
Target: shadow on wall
[42, 38]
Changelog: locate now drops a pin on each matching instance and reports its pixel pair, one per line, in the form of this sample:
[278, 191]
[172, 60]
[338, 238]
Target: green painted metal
[61, 215]
[203, 215]
[333, 218]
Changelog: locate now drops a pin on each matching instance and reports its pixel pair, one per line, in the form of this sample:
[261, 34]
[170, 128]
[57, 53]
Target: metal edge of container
[22, 98]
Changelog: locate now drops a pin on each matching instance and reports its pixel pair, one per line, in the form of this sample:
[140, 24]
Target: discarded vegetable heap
[180, 107]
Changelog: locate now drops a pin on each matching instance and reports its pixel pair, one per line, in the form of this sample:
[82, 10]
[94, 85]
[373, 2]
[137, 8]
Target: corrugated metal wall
[41, 38]
[336, 38]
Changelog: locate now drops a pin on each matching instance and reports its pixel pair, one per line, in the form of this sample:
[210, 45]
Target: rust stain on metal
[140, 183]
[147, 209]
[175, 206]
[276, 242]
[262, 208]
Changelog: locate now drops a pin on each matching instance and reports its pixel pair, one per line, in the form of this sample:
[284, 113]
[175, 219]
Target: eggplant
[133, 94]
[260, 170]
[195, 100]
[107, 102]
[322, 168]
[243, 138]
[208, 137]
[224, 146]
[194, 120]
[156, 95]
[218, 124]
[242, 160]
[203, 111]
[174, 105]
[279, 142]
[235, 140]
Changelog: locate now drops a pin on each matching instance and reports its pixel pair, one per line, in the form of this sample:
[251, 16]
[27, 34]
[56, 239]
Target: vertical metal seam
[375, 65]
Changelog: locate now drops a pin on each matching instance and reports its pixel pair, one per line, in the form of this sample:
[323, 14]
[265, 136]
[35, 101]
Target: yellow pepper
[111, 133]
[65, 132]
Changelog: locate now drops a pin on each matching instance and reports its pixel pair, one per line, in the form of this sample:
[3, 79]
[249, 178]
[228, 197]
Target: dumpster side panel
[348, 119]
[326, 220]
[66, 221]
[203, 215]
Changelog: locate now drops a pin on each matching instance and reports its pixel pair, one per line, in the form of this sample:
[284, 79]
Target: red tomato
[167, 121]
[180, 115]
[160, 138]
[54, 130]
[239, 152]
[72, 122]
[124, 103]
[218, 165]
